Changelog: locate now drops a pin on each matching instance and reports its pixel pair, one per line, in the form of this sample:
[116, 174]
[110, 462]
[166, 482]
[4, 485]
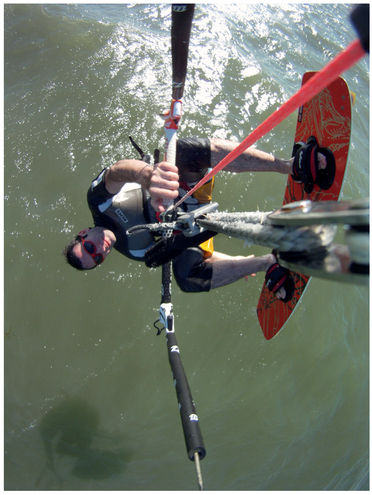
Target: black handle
[181, 28]
[189, 418]
[359, 17]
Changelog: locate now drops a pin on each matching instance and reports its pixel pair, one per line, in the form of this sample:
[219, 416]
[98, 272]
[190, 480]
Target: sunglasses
[91, 249]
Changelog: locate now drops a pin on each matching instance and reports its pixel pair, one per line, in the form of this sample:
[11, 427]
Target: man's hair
[71, 257]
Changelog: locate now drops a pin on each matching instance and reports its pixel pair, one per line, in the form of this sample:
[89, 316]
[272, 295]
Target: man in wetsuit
[132, 191]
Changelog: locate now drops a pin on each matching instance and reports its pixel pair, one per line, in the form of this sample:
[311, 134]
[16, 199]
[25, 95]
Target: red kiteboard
[327, 116]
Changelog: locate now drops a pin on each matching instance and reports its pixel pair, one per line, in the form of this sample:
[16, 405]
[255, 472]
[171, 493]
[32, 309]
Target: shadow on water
[71, 430]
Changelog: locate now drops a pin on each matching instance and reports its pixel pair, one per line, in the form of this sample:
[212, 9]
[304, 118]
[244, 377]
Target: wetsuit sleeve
[97, 196]
[97, 193]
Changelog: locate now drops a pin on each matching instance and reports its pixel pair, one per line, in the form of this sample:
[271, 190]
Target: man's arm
[127, 171]
[161, 180]
[251, 160]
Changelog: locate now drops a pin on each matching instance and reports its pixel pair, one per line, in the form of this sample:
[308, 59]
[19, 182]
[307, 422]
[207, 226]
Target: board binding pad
[327, 116]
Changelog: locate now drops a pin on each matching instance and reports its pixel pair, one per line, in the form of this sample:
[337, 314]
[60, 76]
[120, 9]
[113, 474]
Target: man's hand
[163, 185]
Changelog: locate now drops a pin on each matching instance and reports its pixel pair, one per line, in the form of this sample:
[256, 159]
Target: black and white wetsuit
[131, 206]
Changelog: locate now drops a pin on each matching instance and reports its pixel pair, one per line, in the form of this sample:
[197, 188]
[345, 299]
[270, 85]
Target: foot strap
[306, 165]
[278, 277]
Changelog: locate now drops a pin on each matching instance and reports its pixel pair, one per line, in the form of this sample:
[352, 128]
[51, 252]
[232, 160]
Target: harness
[202, 196]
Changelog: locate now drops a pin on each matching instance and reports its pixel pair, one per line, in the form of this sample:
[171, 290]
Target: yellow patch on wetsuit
[204, 196]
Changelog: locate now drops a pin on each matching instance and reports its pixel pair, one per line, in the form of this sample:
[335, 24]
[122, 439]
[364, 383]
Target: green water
[89, 400]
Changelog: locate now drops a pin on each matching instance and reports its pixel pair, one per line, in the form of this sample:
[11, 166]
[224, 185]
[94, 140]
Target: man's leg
[252, 159]
[228, 269]
[193, 273]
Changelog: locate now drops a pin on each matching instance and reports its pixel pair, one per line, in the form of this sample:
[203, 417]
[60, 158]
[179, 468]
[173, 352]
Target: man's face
[100, 242]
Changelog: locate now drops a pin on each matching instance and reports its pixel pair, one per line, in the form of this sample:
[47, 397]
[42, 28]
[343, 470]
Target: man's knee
[192, 273]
